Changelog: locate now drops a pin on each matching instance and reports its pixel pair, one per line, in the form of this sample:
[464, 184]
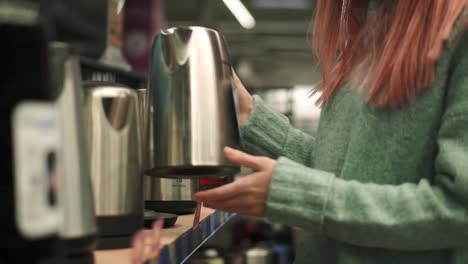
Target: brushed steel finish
[114, 138]
[142, 111]
[159, 189]
[192, 105]
[75, 194]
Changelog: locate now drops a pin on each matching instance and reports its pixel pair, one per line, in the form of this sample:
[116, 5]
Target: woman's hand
[246, 195]
[245, 99]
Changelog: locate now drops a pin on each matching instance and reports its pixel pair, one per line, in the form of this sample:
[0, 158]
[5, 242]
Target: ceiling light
[241, 13]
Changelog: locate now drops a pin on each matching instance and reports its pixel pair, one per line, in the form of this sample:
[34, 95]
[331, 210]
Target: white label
[36, 141]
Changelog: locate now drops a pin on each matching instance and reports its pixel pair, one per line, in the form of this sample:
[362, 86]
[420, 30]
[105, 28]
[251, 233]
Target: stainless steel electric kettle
[165, 195]
[76, 198]
[193, 105]
[115, 153]
[53, 187]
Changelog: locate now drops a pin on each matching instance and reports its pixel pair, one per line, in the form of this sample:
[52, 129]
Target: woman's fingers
[243, 159]
[246, 195]
[220, 193]
[241, 209]
[240, 200]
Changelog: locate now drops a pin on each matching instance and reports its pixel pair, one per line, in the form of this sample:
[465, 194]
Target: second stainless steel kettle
[114, 139]
[192, 105]
[52, 174]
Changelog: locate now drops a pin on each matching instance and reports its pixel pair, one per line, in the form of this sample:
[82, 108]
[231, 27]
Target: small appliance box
[142, 22]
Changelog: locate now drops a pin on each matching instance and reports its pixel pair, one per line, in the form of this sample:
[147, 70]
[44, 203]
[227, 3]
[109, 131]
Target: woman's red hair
[391, 53]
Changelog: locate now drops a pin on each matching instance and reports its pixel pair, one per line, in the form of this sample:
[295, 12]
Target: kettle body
[115, 156]
[192, 105]
[170, 195]
[78, 226]
[164, 195]
[52, 184]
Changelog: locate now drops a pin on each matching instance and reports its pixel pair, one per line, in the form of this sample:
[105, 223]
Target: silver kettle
[192, 104]
[115, 153]
[165, 195]
[54, 194]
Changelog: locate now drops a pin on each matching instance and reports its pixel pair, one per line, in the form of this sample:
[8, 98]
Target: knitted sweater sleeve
[268, 133]
[412, 216]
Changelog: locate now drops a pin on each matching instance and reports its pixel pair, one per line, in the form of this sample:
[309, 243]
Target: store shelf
[179, 242]
[96, 71]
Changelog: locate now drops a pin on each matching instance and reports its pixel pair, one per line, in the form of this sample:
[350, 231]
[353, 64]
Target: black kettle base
[114, 242]
[172, 207]
[76, 259]
[28, 258]
[117, 231]
[190, 172]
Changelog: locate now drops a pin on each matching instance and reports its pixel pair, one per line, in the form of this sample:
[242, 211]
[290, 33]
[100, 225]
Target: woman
[386, 178]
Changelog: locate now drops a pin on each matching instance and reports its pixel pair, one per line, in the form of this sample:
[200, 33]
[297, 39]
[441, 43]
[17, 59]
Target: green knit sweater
[375, 186]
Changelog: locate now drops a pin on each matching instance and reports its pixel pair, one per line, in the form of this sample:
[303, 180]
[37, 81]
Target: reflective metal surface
[114, 138]
[158, 189]
[141, 96]
[192, 105]
[75, 195]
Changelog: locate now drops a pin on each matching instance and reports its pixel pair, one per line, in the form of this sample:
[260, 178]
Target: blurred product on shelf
[248, 240]
[77, 223]
[113, 55]
[81, 24]
[260, 255]
[251, 231]
[208, 255]
[116, 156]
[143, 21]
[263, 242]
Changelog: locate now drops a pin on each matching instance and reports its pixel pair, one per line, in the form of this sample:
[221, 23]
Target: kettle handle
[235, 96]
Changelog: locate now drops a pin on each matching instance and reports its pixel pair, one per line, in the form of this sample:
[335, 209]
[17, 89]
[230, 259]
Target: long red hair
[391, 53]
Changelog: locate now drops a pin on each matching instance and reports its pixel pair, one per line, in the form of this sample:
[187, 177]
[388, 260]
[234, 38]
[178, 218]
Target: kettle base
[114, 242]
[192, 171]
[117, 231]
[173, 207]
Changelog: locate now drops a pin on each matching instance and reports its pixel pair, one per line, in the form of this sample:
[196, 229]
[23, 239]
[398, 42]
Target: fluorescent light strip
[241, 13]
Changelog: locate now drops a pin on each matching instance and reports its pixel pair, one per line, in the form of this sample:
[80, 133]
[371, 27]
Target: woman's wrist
[246, 109]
